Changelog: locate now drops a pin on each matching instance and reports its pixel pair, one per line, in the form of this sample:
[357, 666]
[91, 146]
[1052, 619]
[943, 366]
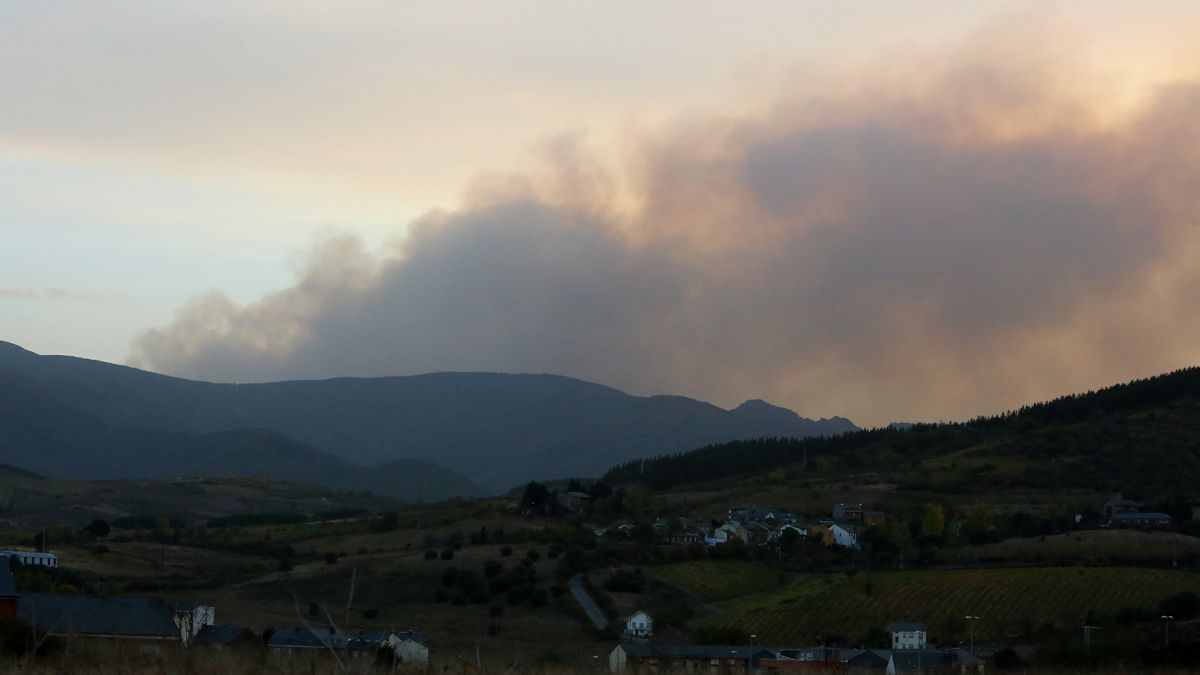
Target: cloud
[949, 243]
[48, 294]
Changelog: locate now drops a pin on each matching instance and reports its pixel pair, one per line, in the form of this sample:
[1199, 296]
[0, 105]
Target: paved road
[589, 605]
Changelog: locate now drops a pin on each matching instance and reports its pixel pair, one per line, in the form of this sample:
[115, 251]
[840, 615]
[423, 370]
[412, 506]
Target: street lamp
[971, 622]
[750, 658]
[1167, 619]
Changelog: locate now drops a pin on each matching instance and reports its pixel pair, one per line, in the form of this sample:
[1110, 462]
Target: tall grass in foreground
[135, 659]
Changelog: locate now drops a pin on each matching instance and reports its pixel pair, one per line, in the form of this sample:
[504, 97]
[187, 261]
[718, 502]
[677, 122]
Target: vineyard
[1010, 601]
[722, 580]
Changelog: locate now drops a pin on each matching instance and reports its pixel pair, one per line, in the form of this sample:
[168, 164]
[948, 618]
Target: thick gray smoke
[929, 252]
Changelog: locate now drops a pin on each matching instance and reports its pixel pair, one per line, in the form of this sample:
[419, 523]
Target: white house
[716, 537]
[409, 647]
[908, 635]
[32, 558]
[639, 625]
[843, 536]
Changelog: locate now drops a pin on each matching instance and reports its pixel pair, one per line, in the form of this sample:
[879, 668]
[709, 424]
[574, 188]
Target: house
[190, 619]
[305, 640]
[716, 537]
[712, 658]
[802, 658]
[735, 530]
[409, 647]
[639, 625]
[89, 616]
[1140, 520]
[1118, 504]
[366, 644]
[844, 535]
[226, 637]
[575, 502]
[908, 635]
[848, 512]
[32, 558]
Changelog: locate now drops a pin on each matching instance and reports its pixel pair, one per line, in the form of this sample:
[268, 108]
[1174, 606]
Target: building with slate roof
[226, 637]
[298, 640]
[629, 657]
[91, 616]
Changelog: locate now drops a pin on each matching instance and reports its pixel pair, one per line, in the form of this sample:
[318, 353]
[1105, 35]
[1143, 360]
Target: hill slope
[1139, 435]
[498, 430]
[41, 434]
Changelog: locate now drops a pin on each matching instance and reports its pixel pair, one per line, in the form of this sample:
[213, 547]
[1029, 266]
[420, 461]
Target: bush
[492, 568]
[450, 577]
[539, 598]
[331, 558]
[1182, 606]
[441, 595]
[447, 554]
[285, 565]
[533, 555]
[431, 555]
[371, 613]
[495, 611]
[505, 551]
[479, 597]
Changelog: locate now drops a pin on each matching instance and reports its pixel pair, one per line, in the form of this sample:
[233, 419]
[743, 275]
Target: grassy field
[721, 580]
[1087, 545]
[1011, 601]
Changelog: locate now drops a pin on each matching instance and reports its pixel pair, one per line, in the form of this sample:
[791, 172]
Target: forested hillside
[1142, 434]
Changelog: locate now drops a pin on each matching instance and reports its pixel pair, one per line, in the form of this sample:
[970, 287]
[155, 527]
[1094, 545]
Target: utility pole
[750, 660]
[971, 622]
[1167, 619]
[1087, 638]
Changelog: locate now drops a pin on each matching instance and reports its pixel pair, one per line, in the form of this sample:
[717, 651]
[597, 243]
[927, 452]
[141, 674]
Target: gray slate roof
[304, 638]
[67, 614]
[905, 626]
[220, 635]
[695, 651]
[1141, 516]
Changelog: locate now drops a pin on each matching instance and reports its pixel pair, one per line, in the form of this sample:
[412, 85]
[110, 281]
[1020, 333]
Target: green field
[723, 580]
[1010, 601]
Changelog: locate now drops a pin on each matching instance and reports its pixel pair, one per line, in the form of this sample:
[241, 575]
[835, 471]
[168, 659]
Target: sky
[882, 210]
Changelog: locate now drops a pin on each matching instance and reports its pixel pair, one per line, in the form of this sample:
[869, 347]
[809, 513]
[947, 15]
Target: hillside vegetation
[1010, 601]
[1140, 435]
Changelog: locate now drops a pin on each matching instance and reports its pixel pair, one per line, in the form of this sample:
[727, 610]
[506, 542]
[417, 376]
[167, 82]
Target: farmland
[1010, 601]
[722, 580]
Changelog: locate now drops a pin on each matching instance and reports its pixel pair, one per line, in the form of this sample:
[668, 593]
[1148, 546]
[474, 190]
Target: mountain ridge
[496, 429]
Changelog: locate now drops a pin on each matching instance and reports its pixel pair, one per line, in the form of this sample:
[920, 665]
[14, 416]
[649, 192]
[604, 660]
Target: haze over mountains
[418, 437]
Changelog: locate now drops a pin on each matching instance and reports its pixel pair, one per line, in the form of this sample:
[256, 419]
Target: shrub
[479, 597]
[533, 555]
[492, 568]
[495, 611]
[447, 554]
[538, 599]
[441, 595]
[372, 612]
[431, 555]
[331, 558]
[505, 551]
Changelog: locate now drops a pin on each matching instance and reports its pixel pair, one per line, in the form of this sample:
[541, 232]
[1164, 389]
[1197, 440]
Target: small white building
[409, 647]
[639, 625]
[843, 536]
[908, 635]
[32, 558]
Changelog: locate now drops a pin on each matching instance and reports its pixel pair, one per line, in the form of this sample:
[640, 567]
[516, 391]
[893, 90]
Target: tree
[933, 524]
[99, 528]
[535, 496]
[574, 485]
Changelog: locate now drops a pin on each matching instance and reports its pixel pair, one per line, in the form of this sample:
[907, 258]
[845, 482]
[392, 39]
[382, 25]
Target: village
[154, 621]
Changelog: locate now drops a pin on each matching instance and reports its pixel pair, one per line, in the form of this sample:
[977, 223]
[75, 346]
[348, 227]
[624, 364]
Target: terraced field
[1008, 600]
[722, 580]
